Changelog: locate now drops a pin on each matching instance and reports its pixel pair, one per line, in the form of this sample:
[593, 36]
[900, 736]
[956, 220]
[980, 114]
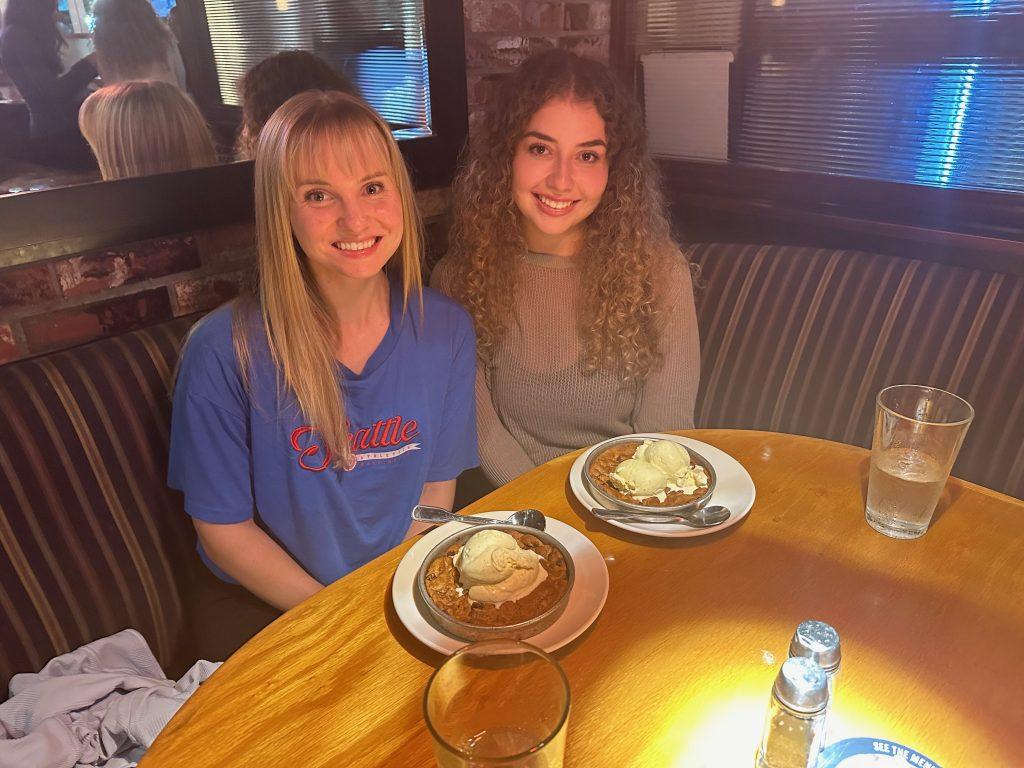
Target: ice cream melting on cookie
[493, 568]
[658, 467]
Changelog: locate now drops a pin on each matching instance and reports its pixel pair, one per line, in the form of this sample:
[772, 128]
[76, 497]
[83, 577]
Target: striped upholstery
[91, 539]
[801, 340]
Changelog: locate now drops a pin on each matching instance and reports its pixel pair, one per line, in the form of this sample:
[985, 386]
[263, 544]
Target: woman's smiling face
[559, 173]
[347, 217]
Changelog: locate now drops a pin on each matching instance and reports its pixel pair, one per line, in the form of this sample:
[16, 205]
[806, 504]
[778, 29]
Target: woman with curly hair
[270, 83]
[561, 252]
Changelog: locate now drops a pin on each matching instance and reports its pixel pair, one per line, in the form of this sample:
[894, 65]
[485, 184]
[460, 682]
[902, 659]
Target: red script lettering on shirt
[384, 433]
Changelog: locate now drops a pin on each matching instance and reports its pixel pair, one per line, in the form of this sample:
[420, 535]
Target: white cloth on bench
[100, 705]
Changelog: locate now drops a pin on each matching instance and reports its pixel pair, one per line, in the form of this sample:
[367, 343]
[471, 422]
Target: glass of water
[498, 703]
[918, 433]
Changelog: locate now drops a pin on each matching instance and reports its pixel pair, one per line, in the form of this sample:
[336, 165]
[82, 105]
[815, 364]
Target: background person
[561, 251]
[133, 43]
[137, 128]
[30, 44]
[269, 84]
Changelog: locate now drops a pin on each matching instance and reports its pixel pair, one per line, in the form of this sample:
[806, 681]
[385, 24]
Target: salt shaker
[795, 725]
[819, 641]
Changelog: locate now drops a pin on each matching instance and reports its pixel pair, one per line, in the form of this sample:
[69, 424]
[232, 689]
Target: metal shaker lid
[819, 641]
[802, 685]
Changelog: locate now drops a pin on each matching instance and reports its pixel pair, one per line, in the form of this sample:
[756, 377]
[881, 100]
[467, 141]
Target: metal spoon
[531, 518]
[705, 517]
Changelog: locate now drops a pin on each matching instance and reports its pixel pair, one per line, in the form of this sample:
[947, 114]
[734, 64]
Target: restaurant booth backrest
[792, 340]
[801, 340]
[91, 539]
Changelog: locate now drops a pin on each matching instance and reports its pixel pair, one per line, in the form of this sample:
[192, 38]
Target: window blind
[917, 91]
[378, 44]
[671, 25]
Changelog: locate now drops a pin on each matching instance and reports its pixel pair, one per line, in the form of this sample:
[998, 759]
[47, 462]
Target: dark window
[914, 91]
[379, 44]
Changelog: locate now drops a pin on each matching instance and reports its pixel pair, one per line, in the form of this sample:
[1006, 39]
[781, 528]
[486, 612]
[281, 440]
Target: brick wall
[52, 305]
[501, 33]
[68, 301]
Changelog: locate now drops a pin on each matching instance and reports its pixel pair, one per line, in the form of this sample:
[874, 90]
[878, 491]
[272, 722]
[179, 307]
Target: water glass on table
[498, 703]
[918, 433]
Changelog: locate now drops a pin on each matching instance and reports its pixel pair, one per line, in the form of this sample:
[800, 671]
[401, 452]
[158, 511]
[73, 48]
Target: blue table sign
[872, 753]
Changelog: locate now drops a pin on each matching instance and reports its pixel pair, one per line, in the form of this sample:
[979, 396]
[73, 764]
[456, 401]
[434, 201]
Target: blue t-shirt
[237, 453]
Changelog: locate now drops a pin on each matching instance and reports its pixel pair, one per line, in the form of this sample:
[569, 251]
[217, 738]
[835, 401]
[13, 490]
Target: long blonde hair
[301, 330]
[132, 43]
[627, 240]
[141, 127]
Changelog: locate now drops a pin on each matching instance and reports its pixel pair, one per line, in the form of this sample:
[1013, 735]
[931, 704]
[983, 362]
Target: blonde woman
[142, 127]
[132, 43]
[310, 419]
[561, 252]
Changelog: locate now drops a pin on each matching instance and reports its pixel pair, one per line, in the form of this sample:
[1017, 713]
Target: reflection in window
[77, 14]
[917, 91]
[378, 44]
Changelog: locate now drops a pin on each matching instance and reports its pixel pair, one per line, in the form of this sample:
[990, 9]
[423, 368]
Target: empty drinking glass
[918, 433]
[498, 703]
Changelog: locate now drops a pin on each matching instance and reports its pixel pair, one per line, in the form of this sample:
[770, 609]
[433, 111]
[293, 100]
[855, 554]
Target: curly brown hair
[627, 241]
[270, 83]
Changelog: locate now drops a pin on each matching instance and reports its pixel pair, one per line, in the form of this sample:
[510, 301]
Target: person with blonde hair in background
[310, 419]
[561, 252]
[138, 128]
[133, 43]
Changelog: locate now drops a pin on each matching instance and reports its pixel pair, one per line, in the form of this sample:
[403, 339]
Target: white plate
[734, 488]
[589, 591]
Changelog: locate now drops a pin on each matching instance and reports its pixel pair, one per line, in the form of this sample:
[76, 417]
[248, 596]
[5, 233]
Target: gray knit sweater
[536, 403]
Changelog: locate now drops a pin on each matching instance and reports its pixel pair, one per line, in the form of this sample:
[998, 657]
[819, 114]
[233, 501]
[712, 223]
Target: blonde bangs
[355, 145]
[293, 147]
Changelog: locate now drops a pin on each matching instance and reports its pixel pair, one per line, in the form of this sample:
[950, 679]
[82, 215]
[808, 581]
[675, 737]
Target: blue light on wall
[960, 106]
[839, 93]
[163, 7]
[973, 7]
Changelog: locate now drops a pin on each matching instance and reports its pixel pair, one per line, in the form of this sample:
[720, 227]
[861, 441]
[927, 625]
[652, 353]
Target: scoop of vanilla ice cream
[668, 456]
[494, 569]
[486, 558]
[639, 478]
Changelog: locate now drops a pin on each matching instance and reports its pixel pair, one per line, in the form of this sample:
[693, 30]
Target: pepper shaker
[794, 728]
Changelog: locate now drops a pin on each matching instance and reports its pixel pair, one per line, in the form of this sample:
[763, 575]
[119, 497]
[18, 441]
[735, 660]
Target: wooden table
[678, 668]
